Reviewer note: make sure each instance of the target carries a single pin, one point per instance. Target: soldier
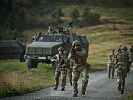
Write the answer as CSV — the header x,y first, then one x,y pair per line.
x,y
61,69
77,56
121,65
110,64
51,31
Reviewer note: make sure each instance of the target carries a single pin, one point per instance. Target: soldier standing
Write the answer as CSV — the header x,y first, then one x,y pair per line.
x,y
121,65
77,56
110,65
61,69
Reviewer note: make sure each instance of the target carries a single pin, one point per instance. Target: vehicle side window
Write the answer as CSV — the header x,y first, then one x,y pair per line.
x,y
15,44
66,39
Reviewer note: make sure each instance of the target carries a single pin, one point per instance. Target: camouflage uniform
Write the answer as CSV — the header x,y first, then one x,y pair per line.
x,y
110,65
121,66
60,70
80,66
77,56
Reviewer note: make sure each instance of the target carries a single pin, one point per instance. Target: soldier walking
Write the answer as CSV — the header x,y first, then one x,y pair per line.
x,y
110,65
121,65
77,56
61,68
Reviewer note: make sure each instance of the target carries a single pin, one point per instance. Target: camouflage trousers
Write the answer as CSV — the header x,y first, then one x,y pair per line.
x,y
69,71
121,75
75,76
110,69
63,74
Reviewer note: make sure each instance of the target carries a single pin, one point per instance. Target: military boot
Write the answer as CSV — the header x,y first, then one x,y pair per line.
x,y
63,89
122,91
75,95
55,88
71,83
83,93
119,87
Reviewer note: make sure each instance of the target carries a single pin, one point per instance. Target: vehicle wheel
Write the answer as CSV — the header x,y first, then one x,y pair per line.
x,y
31,63
22,59
35,63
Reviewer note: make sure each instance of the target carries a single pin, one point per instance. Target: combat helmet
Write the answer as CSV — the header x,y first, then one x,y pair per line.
x,y
60,49
76,42
124,48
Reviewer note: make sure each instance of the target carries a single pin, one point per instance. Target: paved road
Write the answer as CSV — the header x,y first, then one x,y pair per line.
x,y
99,88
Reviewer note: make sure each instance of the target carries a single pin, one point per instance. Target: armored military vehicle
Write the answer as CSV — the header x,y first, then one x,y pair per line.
x,y
12,49
45,46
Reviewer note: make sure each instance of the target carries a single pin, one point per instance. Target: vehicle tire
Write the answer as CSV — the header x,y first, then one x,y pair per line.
x,y
35,63
22,59
29,63
32,63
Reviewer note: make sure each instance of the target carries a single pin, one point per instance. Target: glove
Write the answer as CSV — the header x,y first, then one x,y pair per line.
x,y
72,50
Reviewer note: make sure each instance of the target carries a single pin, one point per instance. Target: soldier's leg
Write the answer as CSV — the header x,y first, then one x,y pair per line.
x,y
109,70
70,75
57,75
119,82
113,72
85,77
63,79
119,79
75,77
123,84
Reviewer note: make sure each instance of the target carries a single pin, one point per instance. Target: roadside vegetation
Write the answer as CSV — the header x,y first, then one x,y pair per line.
x,y
113,27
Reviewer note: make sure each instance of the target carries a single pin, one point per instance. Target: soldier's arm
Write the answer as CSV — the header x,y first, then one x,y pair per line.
x,y
81,53
69,56
54,58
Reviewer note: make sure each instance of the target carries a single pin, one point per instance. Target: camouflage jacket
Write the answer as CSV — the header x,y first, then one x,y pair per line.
x,y
61,61
122,57
78,60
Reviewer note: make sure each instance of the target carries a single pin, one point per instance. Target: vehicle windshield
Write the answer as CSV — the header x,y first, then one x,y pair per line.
x,y
47,38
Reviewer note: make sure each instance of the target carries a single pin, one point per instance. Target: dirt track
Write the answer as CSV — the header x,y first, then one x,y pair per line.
x,y
99,88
